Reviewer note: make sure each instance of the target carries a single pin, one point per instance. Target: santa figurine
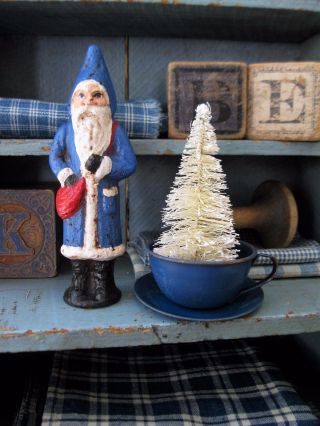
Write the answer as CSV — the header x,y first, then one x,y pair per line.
x,y
90,154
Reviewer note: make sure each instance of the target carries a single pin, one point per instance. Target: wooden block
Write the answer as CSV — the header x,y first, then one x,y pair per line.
x,y
27,234
283,101
222,84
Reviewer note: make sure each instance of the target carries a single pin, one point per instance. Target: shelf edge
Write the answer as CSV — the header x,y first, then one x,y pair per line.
x,y
41,147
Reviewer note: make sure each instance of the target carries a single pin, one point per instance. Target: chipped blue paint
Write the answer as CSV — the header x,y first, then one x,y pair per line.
x,y
310,5
33,316
41,147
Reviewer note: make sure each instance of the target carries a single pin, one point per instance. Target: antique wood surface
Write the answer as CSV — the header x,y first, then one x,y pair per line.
x,y
273,213
33,316
284,101
301,5
41,147
226,19
307,187
230,147
48,75
37,320
147,196
27,234
148,66
222,84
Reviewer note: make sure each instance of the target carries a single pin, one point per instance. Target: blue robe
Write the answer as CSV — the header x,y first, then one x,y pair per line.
x,y
64,155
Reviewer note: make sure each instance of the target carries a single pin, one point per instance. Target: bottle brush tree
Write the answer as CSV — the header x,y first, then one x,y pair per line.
x,y
198,220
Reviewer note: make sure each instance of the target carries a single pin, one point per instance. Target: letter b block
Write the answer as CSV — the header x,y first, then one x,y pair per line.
x,y
222,84
27,234
284,101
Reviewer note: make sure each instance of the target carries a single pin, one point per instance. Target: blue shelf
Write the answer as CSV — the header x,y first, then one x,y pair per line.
x,y
283,20
230,147
41,147
33,316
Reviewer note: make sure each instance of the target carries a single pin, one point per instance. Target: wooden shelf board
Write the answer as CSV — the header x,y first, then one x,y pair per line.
x,y
283,20
33,316
23,147
40,147
300,5
230,147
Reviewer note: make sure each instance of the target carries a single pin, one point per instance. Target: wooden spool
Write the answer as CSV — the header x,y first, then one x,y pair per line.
x,y
273,214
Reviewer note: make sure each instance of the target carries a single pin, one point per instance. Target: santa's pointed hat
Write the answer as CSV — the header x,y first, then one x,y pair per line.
x,y
95,68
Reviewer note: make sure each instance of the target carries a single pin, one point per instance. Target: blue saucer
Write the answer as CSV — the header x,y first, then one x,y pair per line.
x,y
149,294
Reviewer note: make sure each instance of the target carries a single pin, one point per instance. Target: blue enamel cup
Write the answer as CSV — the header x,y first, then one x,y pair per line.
x,y
206,285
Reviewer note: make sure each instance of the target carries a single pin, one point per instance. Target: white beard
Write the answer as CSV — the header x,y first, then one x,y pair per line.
x,y
92,127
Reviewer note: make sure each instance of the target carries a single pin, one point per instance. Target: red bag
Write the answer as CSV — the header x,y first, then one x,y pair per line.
x,y
69,198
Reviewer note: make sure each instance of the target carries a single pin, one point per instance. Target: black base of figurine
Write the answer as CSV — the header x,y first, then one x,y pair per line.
x,y
92,285
73,298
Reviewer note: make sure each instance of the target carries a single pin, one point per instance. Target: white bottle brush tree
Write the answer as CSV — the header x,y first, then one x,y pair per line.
x,y
198,219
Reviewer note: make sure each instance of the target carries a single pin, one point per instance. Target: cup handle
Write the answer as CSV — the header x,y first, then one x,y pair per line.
x,y
265,280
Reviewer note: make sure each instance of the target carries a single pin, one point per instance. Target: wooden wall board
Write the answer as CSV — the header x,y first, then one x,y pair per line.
x,y
222,84
18,53
147,196
255,20
51,64
310,49
307,188
148,65
26,171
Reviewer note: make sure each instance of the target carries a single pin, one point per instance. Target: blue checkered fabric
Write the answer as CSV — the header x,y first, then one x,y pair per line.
x,y
141,244
299,251
140,119
23,118
305,252
299,270
256,272
207,383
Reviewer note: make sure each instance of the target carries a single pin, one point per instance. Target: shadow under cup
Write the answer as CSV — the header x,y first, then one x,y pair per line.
x,y
207,285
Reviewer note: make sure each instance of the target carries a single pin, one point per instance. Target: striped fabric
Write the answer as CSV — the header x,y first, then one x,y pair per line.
x,y
208,383
138,252
23,118
299,251
256,272
299,270
139,267
141,244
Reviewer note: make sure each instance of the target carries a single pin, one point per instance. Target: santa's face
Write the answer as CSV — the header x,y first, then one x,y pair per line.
x,y
91,119
90,92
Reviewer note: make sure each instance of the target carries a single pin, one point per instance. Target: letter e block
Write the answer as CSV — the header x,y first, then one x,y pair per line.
x,y
284,101
222,84
27,234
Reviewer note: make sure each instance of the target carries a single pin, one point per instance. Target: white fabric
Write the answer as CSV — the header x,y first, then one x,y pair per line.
x,y
90,226
110,192
93,253
64,174
104,168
